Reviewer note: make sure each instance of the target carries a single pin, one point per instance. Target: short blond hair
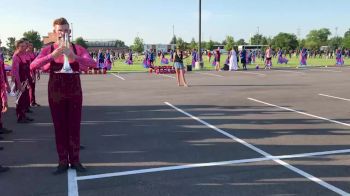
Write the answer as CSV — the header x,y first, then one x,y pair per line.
x,y
60,21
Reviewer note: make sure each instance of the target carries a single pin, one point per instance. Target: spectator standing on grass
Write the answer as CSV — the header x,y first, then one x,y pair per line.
x,y
268,61
217,59
243,56
233,60
209,55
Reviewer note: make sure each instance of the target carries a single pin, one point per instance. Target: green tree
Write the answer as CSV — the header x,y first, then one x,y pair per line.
x,y
180,43
347,33
173,40
285,41
241,42
11,45
224,42
302,43
346,42
259,39
317,38
335,42
34,37
230,42
193,44
209,45
119,44
80,41
138,45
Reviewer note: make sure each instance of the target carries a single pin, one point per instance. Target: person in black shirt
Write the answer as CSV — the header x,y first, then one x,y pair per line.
x,y
179,67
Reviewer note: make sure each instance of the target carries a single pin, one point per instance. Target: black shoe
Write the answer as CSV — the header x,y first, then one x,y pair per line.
x,y
34,105
61,169
3,169
5,131
29,119
1,148
23,121
29,111
78,167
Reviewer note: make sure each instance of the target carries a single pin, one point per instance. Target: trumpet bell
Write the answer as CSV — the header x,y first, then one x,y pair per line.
x,y
66,66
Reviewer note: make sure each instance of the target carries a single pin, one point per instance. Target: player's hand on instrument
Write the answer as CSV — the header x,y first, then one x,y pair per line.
x,y
58,52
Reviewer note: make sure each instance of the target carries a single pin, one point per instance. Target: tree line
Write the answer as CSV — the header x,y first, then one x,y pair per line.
x,y
286,41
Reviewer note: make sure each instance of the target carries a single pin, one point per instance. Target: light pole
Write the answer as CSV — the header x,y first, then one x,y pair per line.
x,y
71,24
200,35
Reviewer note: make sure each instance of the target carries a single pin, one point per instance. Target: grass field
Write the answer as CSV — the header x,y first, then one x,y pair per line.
x,y
120,66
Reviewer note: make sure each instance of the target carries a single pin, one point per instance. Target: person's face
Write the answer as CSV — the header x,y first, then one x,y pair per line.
x,y
22,47
30,47
60,30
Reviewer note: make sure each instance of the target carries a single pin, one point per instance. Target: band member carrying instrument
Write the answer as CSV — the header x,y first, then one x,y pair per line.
x,y
21,75
65,61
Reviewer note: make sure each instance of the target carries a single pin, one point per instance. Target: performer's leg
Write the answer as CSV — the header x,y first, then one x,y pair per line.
x,y
59,115
74,120
21,107
32,94
1,126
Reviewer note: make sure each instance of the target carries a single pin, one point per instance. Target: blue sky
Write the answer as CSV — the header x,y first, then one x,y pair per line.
x,y
152,20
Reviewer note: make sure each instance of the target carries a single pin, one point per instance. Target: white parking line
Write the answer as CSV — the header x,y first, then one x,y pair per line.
x,y
303,113
330,96
118,76
165,75
252,73
279,161
170,168
72,183
211,164
326,70
287,71
210,74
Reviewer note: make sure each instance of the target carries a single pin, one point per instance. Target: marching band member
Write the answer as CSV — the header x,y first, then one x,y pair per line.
x,y
65,95
35,75
20,73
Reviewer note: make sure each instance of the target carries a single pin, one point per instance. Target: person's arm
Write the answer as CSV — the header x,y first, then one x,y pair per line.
x,y
15,71
3,92
42,59
4,99
83,58
5,77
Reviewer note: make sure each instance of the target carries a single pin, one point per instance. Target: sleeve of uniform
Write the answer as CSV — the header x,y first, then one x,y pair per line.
x,y
84,59
42,59
15,69
3,84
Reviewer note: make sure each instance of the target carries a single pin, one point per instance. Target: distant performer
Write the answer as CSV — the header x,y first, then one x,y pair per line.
x,y
339,58
303,57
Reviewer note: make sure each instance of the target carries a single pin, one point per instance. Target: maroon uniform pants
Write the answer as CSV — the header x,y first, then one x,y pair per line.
x,y
22,105
65,100
32,93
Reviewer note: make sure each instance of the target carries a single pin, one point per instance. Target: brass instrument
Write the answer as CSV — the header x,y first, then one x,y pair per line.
x,y
17,93
66,66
